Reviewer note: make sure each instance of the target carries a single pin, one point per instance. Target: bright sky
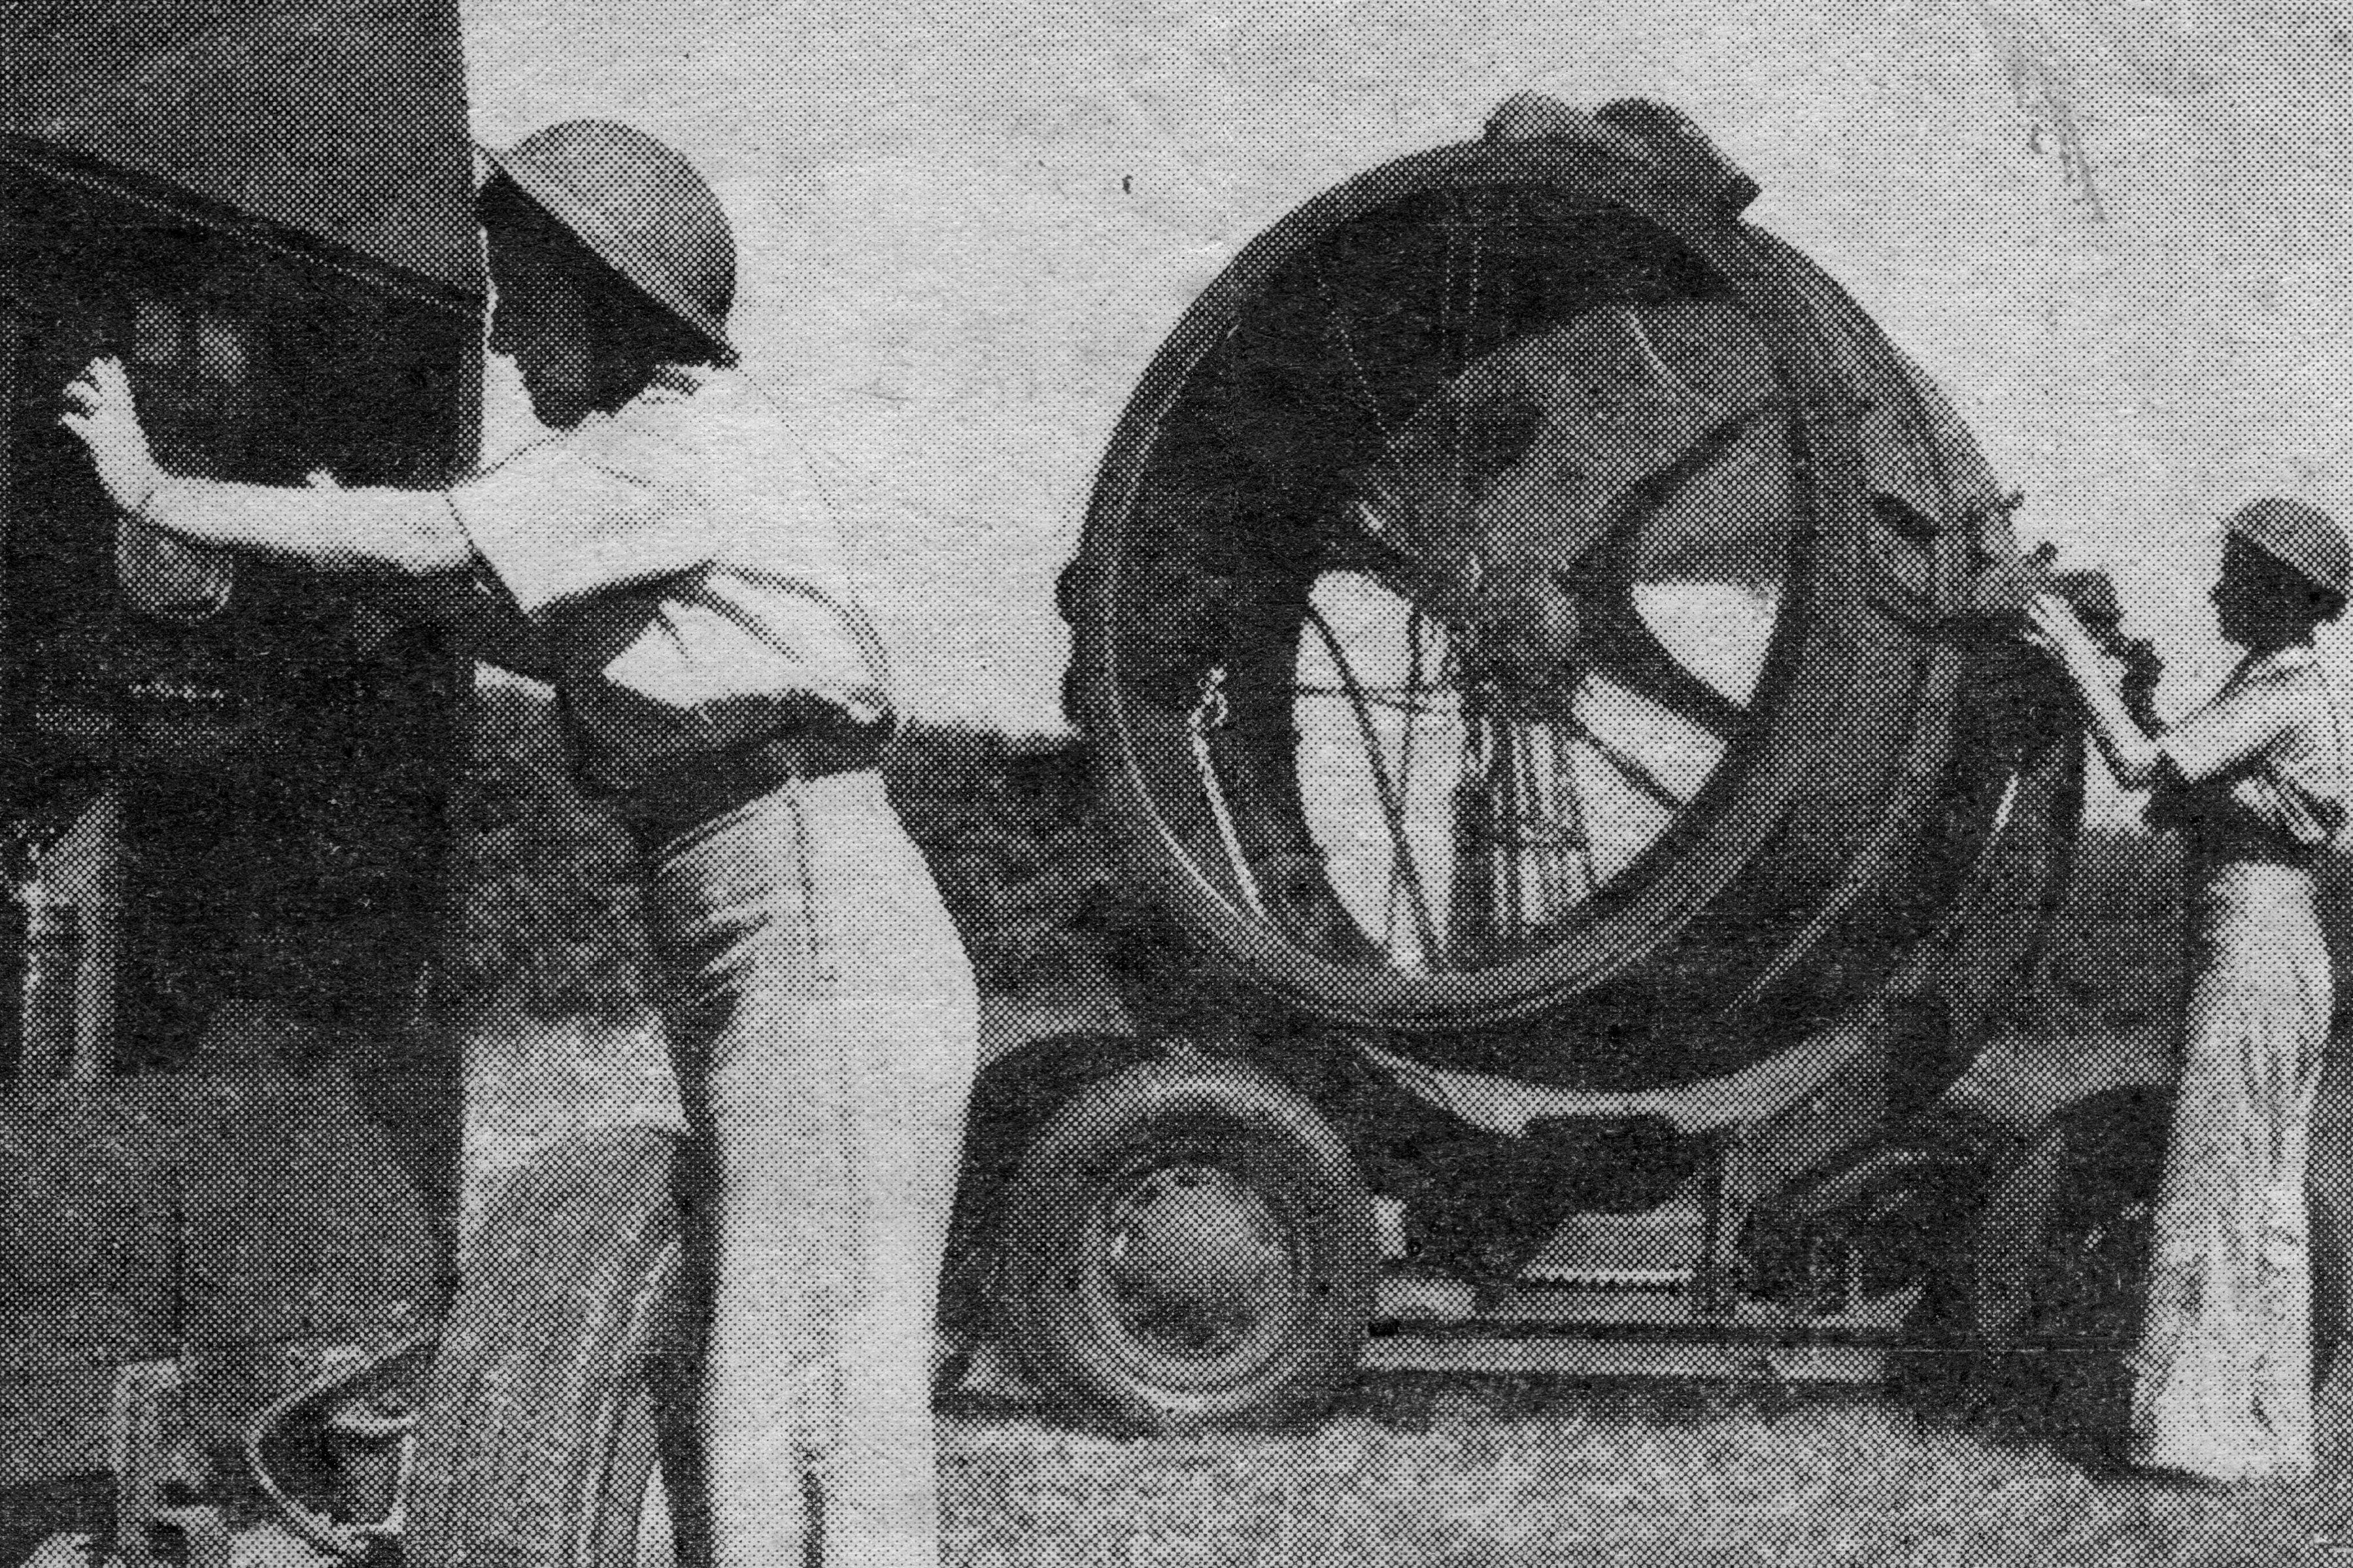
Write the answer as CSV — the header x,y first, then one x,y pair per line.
x,y
2116,231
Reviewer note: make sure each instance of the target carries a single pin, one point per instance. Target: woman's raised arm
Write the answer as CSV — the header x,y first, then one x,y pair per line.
x,y
412,533
2133,755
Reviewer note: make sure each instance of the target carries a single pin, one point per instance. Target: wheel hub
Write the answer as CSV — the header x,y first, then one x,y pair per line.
x,y
1197,1260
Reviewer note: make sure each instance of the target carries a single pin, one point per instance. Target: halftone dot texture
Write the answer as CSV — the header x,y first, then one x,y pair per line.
x,y
269,210
2302,538
1405,1469
1395,497
1513,608
816,1000
341,124
640,206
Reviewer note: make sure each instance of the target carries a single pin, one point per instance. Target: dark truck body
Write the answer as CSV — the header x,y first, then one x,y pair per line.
x,y
266,209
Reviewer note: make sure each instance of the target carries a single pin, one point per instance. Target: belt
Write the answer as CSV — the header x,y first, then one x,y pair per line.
x,y
704,787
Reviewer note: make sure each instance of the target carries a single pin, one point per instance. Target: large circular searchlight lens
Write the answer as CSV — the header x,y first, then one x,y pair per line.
x,y
1507,615
1587,535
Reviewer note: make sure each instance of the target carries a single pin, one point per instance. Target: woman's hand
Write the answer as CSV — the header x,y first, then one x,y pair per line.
x,y
2132,755
99,412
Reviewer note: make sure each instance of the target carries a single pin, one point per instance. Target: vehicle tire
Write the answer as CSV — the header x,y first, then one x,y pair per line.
x,y
2056,1266
1189,1245
2061,1258
2089,1302
555,1398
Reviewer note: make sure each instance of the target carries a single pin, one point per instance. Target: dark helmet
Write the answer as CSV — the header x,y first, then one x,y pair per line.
x,y
641,208
2306,540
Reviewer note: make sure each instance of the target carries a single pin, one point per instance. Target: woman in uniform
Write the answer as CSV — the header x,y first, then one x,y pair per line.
x,y
2255,782
666,561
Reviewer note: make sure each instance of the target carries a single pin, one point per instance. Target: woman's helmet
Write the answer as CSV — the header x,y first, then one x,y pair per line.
x,y
2304,538
641,208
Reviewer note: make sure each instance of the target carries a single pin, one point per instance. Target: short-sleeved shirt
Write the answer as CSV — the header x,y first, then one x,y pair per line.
x,y
681,565
2260,771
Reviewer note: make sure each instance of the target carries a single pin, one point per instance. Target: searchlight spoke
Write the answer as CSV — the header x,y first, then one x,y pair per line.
x,y
1540,618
